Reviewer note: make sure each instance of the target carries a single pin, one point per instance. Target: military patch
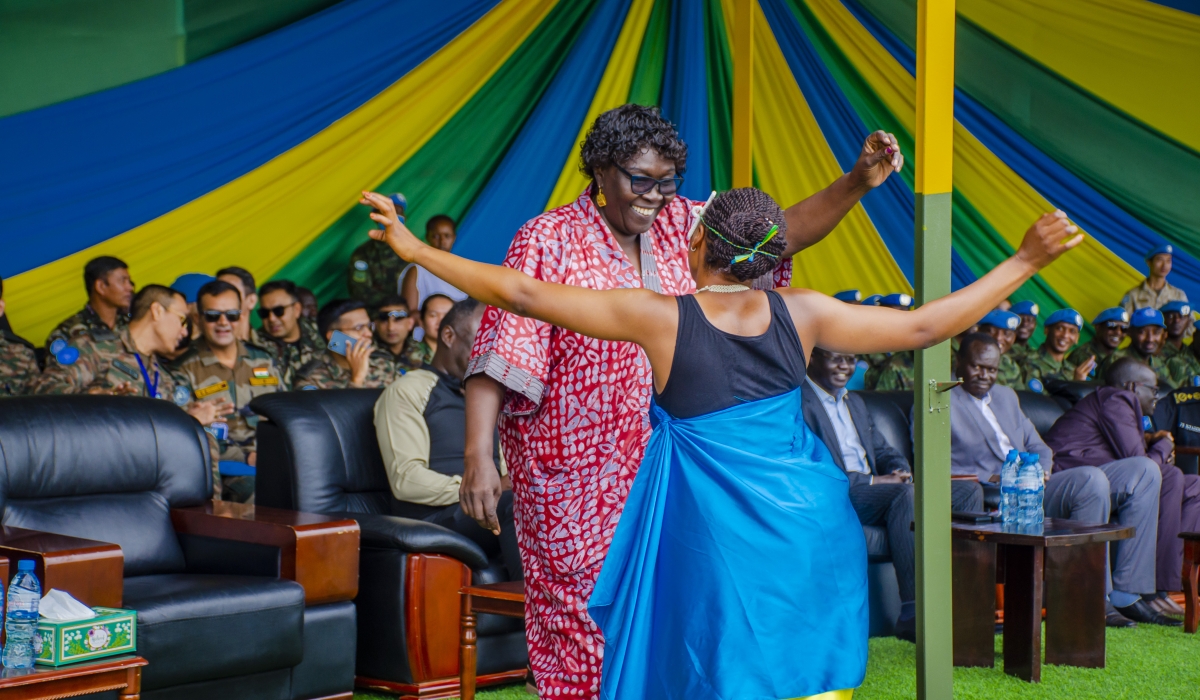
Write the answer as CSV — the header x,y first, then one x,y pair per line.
x,y
67,356
212,389
308,387
1187,397
57,346
360,276
126,369
1036,386
360,265
262,371
264,381
182,396
102,334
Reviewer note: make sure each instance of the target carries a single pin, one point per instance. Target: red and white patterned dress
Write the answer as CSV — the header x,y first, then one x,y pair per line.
x,y
574,424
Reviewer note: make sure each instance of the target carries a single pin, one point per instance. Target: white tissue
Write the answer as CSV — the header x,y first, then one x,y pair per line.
x,y
61,607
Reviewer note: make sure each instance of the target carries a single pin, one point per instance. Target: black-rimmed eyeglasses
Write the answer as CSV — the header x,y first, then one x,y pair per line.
x,y
641,184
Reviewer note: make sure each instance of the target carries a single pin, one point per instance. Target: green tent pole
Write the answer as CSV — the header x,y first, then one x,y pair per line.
x,y
931,401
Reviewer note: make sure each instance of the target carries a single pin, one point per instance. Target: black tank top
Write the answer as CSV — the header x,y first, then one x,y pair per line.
x,y
714,370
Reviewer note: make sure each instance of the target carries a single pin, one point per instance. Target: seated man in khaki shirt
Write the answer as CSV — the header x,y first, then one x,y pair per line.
x,y
420,420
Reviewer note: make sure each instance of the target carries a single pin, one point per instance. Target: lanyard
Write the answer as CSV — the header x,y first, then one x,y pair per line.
x,y
151,387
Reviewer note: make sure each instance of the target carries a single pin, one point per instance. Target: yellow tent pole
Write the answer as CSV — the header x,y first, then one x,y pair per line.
x,y
934,156
743,92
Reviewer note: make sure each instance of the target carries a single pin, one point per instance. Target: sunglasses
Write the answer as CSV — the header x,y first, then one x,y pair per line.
x,y
276,311
385,316
212,316
641,184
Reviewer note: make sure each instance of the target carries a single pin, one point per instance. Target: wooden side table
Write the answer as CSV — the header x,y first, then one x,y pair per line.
x,y
121,673
1191,577
1069,557
506,599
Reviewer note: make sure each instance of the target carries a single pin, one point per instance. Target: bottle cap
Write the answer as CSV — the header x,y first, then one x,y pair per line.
x,y
26,565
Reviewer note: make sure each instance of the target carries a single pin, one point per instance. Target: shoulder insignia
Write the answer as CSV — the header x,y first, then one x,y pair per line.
x,y
181,396
127,369
57,346
360,265
212,389
359,276
264,381
1187,396
67,356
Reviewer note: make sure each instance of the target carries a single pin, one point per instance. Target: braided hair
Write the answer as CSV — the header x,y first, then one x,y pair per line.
x,y
735,224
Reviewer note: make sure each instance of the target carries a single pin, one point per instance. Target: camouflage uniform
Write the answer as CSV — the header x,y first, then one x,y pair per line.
x,y
1020,351
1041,366
325,373
290,357
18,367
895,373
104,363
1156,362
1168,350
1092,347
86,322
1183,366
201,376
374,272
416,353
401,364
1009,373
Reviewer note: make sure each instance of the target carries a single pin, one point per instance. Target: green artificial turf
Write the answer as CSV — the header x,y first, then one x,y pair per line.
x,y
1147,662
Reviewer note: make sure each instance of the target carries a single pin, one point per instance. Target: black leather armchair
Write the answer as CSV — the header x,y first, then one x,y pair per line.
x,y
214,617
317,452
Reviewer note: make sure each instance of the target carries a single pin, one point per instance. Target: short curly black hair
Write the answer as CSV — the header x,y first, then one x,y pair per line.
x,y
735,223
620,134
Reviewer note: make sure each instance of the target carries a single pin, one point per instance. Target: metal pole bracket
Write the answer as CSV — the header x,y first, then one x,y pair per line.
x,y
939,395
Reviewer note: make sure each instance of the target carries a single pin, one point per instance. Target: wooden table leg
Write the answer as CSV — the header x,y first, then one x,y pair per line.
x,y
133,691
466,656
1023,612
1191,574
1075,605
974,581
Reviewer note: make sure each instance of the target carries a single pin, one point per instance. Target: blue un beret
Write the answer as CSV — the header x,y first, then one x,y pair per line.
x,y
189,284
1180,307
1001,319
1116,313
872,300
850,296
1165,249
1025,308
1147,317
1070,316
903,301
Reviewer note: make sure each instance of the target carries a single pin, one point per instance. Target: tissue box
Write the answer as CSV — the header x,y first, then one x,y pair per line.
x,y
113,631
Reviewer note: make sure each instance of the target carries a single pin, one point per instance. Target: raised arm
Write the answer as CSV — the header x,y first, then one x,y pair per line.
x,y
836,326
811,219
635,315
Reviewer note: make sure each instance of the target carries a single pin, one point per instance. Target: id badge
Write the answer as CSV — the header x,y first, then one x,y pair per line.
x,y
219,429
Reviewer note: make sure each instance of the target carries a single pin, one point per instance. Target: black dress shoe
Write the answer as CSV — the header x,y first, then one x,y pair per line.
x,y
1115,619
907,630
1142,612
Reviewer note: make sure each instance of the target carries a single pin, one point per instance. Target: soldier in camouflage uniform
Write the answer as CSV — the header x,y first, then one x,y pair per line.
x,y
1177,317
1002,325
358,368
1021,348
374,270
124,362
894,373
1110,325
1051,360
393,326
221,367
1146,334
18,366
290,338
110,292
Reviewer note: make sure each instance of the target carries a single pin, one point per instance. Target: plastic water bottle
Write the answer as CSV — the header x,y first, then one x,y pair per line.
x,y
21,616
1008,488
1038,515
1027,495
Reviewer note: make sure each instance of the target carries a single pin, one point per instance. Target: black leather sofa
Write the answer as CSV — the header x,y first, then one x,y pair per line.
x,y
317,452
215,620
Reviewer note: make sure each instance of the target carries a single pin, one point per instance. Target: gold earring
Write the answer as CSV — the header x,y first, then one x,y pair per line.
x,y
601,200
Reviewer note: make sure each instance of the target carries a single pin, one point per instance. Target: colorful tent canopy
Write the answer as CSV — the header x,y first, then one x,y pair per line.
x,y
475,108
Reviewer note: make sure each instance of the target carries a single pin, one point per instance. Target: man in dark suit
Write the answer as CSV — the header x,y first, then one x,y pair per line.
x,y
880,477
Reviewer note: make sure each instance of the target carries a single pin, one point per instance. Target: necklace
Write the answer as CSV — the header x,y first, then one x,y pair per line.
x,y
724,288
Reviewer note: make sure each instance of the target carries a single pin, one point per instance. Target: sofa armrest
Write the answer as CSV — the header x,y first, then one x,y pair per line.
x,y
417,537
320,552
91,571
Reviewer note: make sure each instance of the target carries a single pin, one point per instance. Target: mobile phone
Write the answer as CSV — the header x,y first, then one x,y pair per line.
x,y
340,343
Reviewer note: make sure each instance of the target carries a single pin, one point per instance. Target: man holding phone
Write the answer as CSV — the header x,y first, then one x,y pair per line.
x,y
881,488
347,361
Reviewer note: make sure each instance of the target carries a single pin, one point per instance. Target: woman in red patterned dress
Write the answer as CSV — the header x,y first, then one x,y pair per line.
x,y
572,410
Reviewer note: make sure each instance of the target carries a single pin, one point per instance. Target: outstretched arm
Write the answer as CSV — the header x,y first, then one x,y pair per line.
x,y
635,315
839,327
811,219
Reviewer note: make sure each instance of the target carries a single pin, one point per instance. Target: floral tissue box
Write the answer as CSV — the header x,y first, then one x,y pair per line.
x,y
112,631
